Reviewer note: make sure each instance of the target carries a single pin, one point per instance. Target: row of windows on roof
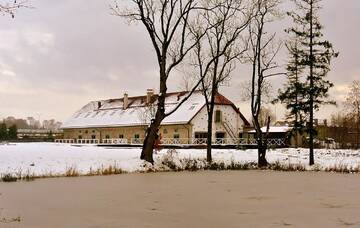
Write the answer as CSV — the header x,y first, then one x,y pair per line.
x,y
102,113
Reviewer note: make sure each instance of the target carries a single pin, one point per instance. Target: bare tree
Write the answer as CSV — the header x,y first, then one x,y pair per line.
x,y
10,8
186,83
215,55
146,114
352,103
167,24
266,91
262,52
265,113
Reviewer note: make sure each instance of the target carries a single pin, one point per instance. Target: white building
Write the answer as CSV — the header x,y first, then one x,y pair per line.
x,y
124,120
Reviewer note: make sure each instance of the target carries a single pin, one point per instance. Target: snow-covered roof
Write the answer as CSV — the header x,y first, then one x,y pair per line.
x,y
274,129
110,113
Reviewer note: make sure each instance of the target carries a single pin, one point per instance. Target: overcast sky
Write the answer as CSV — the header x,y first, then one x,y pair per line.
x,y
62,54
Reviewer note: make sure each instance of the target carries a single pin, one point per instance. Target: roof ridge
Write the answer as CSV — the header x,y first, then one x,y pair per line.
x,y
144,96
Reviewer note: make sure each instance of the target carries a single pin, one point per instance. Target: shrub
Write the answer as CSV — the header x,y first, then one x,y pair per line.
x,y
9,178
217,166
111,170
72,172
341,168
193,164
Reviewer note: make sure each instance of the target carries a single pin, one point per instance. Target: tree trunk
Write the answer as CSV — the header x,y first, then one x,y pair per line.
x,y
296,130
152,131
262,162
311,124
149,141
209,134
358,129
209,138
262,157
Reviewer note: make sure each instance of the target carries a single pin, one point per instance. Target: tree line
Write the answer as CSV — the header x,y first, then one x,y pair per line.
x,y
8,133
32,123
215,36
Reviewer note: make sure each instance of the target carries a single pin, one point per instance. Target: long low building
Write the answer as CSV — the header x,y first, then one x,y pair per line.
x,y
39,134
124,120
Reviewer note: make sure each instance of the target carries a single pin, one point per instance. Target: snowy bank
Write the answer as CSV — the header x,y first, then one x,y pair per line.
x,y
44,159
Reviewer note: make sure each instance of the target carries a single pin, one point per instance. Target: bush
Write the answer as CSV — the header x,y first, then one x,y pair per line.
x,y
9,178
72,172
193,164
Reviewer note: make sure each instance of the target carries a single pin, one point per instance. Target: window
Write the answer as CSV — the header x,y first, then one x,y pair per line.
x,y
137,136
176,130
104,113
93,136
107,136
80,137
80,131
165,131
93,131
201,135
121,136
78,115
217,116
113,113
87,114
176,138
220,135
95,114
86,131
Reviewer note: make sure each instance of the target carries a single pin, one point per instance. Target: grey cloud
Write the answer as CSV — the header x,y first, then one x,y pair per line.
x,y
62,54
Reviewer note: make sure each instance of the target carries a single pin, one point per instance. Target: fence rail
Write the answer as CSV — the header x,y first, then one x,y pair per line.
x,y
176,141
114,141
64,140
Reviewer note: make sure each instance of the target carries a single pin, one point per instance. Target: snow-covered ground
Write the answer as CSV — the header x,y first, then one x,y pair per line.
x,y
51,158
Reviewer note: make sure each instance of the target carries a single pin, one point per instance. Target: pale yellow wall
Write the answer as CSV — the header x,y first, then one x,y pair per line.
x,y
229,115
167,131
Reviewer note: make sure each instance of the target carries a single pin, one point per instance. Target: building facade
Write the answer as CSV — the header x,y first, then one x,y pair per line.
x,y
125,120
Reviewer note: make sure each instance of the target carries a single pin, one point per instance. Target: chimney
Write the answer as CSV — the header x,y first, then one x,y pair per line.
x,y
99,105
125,101
149,94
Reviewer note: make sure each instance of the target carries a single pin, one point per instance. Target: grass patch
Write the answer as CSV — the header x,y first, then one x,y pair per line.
x,y
72,172
104,171
5,220
341,168
69,172
9,177
278,166
171,163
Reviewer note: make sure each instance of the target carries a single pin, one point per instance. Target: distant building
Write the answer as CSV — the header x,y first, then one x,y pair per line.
x,y
277,135
124,120
39,134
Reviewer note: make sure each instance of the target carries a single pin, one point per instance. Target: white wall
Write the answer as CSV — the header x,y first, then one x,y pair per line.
x,y
199,122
